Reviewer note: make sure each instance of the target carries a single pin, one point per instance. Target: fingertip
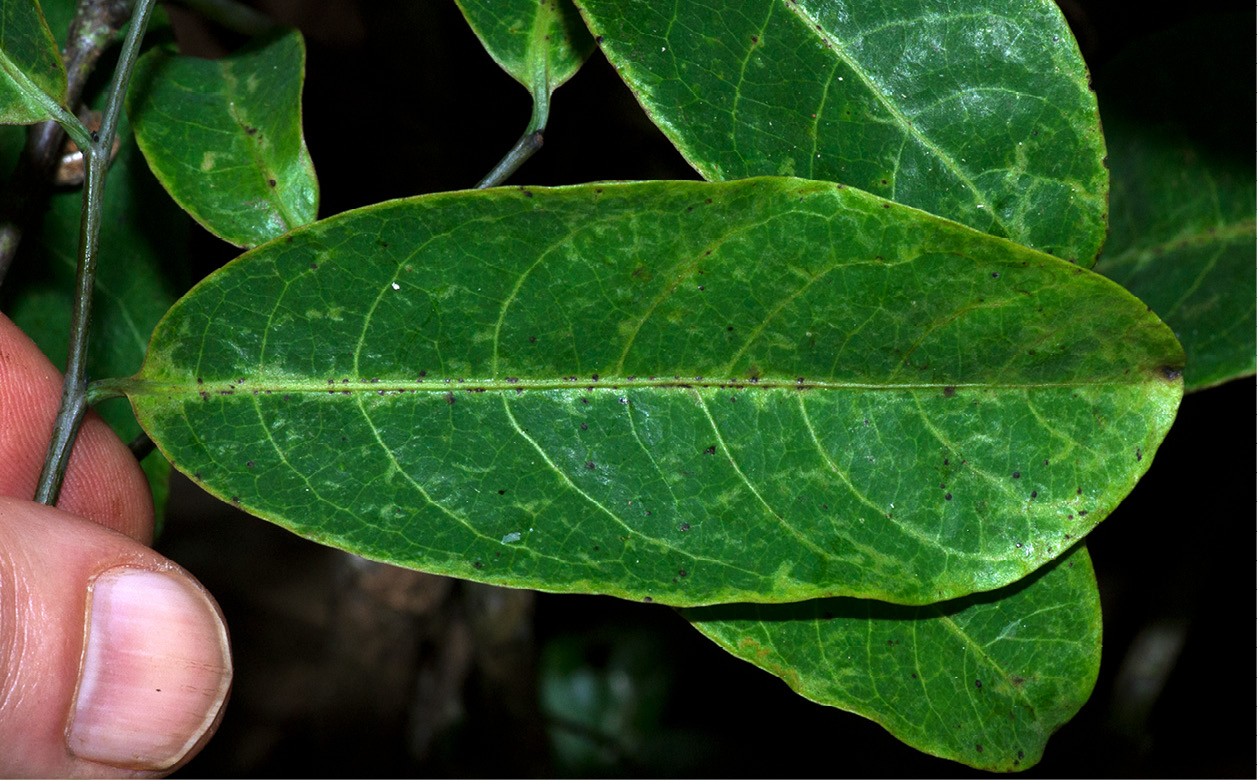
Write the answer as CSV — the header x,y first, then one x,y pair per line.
x,y
114,661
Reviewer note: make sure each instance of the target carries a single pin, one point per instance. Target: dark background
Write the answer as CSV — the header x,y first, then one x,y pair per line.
x,y
348,668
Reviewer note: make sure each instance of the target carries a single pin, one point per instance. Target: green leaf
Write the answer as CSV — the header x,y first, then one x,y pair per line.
x,y
982,680
762,390
224,137
32,78
139,275
980,114
1183,196
540,44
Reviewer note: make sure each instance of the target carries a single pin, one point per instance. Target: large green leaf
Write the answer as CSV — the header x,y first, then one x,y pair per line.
x,y
1183,195
979,112
32,77
139,275
983,680
763,390
541,44
224,137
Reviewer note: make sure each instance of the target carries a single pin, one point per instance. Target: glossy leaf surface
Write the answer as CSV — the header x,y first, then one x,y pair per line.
x,y
979,113
983,680
541,44
1183,196
32,77
224,137
142,243
763,390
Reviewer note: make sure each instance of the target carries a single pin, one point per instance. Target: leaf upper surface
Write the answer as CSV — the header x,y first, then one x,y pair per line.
x,y
224,137
983,680
763,390
31,73
979,112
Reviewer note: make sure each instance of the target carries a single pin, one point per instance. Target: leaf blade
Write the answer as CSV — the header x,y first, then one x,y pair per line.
x,y
984,117
541,45
32,76
679,455
984,680
1182,200
224,137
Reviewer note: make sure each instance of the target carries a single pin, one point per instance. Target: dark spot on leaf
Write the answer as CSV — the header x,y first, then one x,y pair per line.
x,y
271,182
648,599
1082,512
685,526
977,683
885,205
584,427
1138,454
589,464
914,675
584,400
1034,494
235,499
683,573
949,391
948,496
1016,475
1170,373
200,381
754,39
598,39
527,193
979,747
710,450
197,475
249,464
501,492
532,339
478,564
449,398
1079,491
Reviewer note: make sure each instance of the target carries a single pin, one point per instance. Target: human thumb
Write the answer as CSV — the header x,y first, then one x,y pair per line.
x,y
114,661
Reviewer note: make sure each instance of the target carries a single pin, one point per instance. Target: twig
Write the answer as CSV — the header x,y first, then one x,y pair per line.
x,y
232,15
95,24
524,148
74,388
530,141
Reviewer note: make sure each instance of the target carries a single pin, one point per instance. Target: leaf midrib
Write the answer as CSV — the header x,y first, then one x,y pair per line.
x,y
139,385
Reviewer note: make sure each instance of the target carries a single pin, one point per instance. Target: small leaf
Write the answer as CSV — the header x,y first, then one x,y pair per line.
x,y
224,137
982,680
32,77
762,390
979,113
540,43
1183,195
139,275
